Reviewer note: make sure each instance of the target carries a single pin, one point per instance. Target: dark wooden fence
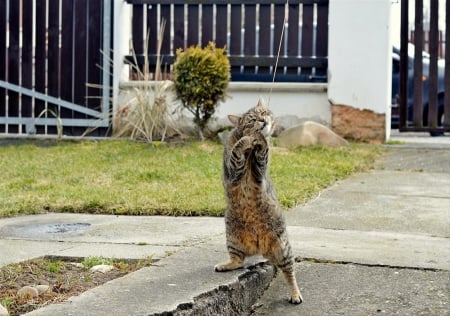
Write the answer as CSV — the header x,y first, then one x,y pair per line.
x,y
45,68
251,31
424,96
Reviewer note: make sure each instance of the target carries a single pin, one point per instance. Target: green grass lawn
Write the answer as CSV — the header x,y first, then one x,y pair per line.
x,y
123,177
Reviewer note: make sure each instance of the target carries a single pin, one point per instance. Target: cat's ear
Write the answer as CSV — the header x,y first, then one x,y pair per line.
x,y
261,103
234,119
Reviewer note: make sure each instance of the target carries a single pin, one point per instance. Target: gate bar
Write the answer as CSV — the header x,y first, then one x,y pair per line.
x,y
447,66
403,84
50,99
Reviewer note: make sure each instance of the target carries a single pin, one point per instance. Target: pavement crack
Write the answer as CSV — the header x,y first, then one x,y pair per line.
x,y
370,265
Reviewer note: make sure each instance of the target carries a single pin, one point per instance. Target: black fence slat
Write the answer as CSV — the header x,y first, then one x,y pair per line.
x,y
235,29
264,35
279,14
221,25
250,30
27,57
80,55
178,40
207,24
53,78
152,28
94,54
307,35
53,70
235,34
165,15
264,30
3,26
13,61
40,58
67,36
137,32
293,35
193,22
433,69
250,34
418,45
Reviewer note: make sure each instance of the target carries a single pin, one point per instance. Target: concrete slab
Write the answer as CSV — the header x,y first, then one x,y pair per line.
x,y
372,248
416,159
84,235
394,201
151,230
17,250
336,289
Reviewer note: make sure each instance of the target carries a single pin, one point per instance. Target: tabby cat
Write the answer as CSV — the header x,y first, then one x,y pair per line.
x,y
254,221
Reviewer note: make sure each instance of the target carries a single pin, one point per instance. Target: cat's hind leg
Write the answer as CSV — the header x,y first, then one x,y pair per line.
x,y
284,260
236,261
295,295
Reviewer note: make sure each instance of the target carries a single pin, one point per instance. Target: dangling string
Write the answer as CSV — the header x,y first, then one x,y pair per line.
x,y
279,50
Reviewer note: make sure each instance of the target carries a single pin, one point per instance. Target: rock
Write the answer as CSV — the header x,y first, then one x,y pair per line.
x,y
103,268
42,288
360,125
223,136
28,292
309,133
3,311
283,122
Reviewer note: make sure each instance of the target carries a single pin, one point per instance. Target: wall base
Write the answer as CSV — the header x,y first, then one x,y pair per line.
x,y
358,125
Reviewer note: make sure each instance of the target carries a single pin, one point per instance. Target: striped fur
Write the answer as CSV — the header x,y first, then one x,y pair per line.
x,y
254,221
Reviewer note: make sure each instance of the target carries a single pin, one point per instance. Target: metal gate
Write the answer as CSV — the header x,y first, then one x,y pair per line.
x,y
55,73
424,95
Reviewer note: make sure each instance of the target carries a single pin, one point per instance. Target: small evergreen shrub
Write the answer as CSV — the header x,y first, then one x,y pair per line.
x,y
201,77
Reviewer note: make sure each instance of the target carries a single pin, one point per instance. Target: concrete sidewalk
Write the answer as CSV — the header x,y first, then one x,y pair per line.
x,y
376,243
379,241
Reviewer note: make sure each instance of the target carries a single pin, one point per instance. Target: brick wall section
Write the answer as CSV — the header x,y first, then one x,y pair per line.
x,y
358,125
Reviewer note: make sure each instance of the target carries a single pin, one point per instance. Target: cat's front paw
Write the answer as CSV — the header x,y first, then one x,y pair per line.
x,y
259,143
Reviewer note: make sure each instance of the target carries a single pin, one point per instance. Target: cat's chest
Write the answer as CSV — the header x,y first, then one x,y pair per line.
x,y
246,189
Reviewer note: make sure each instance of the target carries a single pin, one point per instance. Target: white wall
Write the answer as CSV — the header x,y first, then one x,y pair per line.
x,y
359,61
305,100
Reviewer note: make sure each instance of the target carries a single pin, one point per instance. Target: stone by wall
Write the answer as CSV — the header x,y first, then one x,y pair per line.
x,y
358,125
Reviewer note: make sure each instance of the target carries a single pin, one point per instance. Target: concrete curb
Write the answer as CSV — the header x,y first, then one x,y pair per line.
x,y
236,298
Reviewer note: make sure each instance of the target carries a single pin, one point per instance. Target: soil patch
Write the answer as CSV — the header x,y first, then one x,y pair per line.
x,y
65,278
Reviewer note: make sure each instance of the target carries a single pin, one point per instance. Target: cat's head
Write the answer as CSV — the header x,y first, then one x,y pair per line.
x,y
258,119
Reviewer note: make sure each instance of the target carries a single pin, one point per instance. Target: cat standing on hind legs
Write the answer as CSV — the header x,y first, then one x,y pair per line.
x,y
254,222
